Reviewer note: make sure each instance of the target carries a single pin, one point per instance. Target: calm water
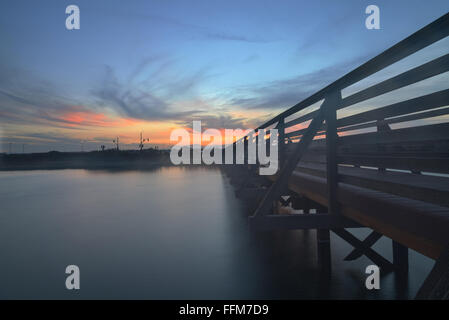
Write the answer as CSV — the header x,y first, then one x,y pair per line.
x,y
172,233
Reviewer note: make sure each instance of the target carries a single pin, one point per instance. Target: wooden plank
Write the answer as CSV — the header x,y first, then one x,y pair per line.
x,y
301,221
417,116
437,165
438,148
422,72
422,133
428,162
419,187
412,149
410,222
412,117
430,101
415,224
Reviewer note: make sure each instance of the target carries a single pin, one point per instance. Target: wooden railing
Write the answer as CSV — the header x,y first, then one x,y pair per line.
x,y
366,173
323,121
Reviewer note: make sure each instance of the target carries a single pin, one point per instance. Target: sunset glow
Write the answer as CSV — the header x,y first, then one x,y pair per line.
x,y
153,67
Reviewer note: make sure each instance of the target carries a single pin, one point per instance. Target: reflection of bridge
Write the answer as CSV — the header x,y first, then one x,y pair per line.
x,y
358,171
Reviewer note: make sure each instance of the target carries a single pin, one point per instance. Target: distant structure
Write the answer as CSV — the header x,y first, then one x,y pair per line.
x,y
142,141
116,141
102,147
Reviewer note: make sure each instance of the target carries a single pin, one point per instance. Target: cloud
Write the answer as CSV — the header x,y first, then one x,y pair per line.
x,y
233,37
205,32
285,93
152,100
152,92
218,122
144,64
251,58
27,99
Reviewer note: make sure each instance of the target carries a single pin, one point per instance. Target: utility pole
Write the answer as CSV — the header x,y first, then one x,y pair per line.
x,y
116,141
142,141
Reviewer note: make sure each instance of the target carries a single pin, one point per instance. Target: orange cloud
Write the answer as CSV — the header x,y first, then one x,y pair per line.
x,y
82,124
90,118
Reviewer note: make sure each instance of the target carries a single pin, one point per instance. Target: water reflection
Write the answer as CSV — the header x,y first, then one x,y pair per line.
x,y
165,232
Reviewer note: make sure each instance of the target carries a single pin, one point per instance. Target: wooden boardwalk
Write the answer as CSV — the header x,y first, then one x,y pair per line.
x,y
386,168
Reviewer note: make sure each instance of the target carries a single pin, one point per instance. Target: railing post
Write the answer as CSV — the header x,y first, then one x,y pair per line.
x,y
330,106
330,116
400,258
245,150
382,127
256,134
281,142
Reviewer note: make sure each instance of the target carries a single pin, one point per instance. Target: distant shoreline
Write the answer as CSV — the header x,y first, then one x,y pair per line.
x,y
95,160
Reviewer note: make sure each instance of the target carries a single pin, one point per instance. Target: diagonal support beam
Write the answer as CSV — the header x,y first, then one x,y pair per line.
x,y
369,241
436,285
380,261
278,187
285,202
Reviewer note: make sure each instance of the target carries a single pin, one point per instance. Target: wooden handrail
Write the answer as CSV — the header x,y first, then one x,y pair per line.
x,y
424,37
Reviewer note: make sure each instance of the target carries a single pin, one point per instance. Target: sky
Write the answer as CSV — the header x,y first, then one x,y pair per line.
x,y
153,66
